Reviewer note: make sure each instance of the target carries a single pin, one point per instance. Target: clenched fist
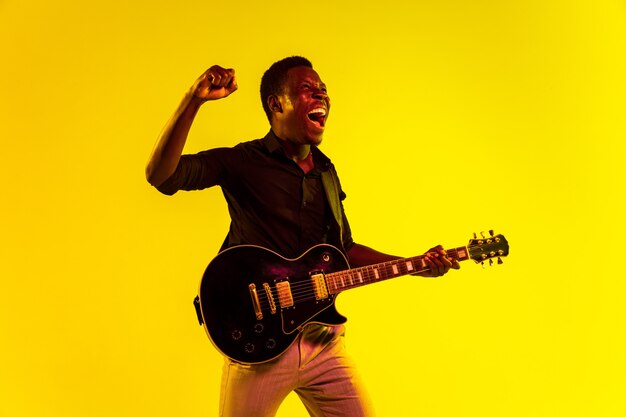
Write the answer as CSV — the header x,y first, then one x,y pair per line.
x,y
215,83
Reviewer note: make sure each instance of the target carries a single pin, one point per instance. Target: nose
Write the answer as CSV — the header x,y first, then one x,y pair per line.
x,y
320,94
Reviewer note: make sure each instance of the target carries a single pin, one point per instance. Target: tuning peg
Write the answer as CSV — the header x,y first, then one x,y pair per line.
x,y
491,232
500,262
490,262
475,237
482,234
482,264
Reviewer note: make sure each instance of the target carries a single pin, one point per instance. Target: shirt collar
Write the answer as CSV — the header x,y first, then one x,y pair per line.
x,y
272,144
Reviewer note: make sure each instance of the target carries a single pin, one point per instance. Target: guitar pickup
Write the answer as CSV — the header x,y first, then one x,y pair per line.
x,y
319,286
284,294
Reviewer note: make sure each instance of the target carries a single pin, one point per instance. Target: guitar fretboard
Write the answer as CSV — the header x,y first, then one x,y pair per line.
x,y
357,277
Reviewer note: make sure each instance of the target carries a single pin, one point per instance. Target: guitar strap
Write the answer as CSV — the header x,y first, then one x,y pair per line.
x,y
330,180
196,304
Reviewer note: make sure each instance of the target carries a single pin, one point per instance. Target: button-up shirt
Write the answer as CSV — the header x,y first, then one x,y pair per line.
x,y
272,202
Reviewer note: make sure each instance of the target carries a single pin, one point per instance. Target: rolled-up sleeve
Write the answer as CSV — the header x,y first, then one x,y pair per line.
x,y
200,171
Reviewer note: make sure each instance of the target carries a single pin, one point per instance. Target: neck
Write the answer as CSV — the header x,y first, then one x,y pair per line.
x,y
300,154
297,152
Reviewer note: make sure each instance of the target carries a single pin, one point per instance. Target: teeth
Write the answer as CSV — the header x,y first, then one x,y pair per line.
x,y
320,110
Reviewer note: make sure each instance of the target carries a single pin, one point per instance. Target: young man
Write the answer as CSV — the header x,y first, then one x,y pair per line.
x,y
278,199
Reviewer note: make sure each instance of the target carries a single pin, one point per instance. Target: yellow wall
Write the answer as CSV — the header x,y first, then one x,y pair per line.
x,y
448,117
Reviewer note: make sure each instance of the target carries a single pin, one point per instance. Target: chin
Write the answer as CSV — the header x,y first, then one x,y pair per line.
x,y
314,137
316,140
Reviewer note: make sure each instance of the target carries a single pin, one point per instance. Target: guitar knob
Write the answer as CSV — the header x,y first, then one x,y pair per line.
x,y
258,328
236,334
249,348
270,343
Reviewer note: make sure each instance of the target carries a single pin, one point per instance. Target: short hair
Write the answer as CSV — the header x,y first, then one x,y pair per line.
x,y
273,81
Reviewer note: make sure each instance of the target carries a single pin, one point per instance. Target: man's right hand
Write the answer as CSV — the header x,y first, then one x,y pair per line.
x,y
215,83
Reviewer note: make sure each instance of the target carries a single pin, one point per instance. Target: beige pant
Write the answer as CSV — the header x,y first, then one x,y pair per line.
x,y
315,366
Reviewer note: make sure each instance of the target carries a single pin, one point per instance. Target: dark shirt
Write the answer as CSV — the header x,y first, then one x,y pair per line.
x,y
271,201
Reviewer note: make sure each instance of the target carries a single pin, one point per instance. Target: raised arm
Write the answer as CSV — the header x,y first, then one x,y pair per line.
x,y
214,84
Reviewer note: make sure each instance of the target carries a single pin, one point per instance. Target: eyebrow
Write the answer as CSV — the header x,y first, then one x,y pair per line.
x,y
311,81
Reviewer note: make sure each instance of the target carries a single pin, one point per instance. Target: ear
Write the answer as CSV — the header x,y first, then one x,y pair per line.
x,y
274,104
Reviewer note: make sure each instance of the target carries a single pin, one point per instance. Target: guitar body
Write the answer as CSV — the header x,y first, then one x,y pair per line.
x,y
254,302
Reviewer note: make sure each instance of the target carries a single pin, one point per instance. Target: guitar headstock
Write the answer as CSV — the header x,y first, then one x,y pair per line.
x,y
487,248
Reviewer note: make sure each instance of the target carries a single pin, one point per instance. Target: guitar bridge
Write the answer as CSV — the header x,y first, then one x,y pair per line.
x,y
319,286
270,297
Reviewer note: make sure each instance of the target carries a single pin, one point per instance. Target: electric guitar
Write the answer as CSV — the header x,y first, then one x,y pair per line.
x,y
254,302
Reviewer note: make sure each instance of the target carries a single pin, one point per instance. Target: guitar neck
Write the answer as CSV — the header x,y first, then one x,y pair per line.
x,y
358,277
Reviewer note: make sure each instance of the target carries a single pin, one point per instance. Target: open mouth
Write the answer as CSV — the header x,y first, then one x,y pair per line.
x,y
318,116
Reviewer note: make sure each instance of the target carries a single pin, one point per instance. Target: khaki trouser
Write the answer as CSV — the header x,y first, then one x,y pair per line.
x,y
315,366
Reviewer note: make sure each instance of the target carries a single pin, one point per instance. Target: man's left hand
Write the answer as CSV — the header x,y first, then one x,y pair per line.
x,y
438,263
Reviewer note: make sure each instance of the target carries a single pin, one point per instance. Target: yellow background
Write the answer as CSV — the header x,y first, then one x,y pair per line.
x,y
448,117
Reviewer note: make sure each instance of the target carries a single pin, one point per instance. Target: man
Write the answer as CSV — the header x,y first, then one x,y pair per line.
x,y
278,199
